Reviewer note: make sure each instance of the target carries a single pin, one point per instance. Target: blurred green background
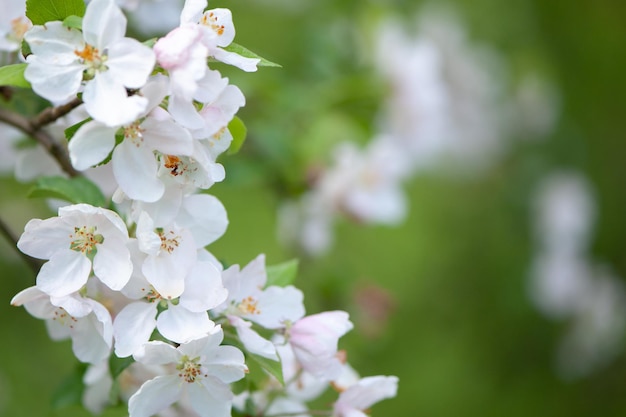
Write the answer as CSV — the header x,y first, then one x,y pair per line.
x,y
460,333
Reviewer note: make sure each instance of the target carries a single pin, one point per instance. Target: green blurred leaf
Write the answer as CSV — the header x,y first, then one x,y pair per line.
x,y
246,53
73,21
274,368
117,365
74,190
282,274
239,131
42,11
70,391
13,75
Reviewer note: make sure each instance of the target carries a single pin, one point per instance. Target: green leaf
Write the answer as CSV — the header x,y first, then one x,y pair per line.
x,y
71,131
70,391
246,53
13,75
42,11
282,274
239,131
74,190
73,21
117,365
274,368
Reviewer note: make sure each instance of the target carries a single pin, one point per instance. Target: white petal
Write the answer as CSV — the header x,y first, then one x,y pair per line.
x,y
192,11
87,342
103,23
107,102
43,238
112,263
278,305
227,363
130,62
252,341
181,325
64,274
36,302
91,144
210,399
133,326
205,216
369,391
157,353
154,396
57,83
203,288
54,43
231,58
135,169
167,137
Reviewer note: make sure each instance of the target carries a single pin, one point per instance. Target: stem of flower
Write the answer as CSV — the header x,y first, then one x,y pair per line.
x,y
33,128
34,264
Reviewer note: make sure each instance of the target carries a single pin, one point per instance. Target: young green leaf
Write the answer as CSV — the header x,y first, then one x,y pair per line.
x,y
70,391
282,274
274,368
42,11
13,75
246,53
74,190
71,131
239,131
73,21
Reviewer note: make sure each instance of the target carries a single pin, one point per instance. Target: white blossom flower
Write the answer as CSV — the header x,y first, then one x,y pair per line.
x,y
203,371
314,340
13,25
62,58
249,301
81,233
359,397
85,321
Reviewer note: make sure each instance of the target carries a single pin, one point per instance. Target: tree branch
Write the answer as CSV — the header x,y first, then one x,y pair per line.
x,y
34,264
33,128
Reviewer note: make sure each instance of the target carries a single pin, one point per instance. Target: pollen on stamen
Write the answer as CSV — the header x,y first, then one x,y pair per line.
x,y
249,306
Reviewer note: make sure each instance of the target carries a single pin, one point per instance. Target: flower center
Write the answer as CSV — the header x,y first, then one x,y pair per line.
x,y
173,164
169,240
249,306
92,59
190,369
210,20
63,318
134,133
84,239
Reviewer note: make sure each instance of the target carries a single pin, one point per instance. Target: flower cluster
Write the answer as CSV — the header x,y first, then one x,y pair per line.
x,y
134,279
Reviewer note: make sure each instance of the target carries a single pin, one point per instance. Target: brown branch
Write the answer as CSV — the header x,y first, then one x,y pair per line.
x,y
34,264
33,128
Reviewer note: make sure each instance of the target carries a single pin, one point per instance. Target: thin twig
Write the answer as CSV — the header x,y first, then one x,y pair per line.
x,y
33,129
51,114
34,264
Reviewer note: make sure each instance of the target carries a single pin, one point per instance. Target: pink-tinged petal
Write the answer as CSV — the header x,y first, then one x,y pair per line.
x,y
231,58
43,238
135,169
252,341
192,11
57,83
277,306
181,325
130,62
248,282
205,216
54,43
154,396
167,137
88,343
64,274
369,391
107,102
214,400
91,144
216,144
227,364
112,263
103,23
157,353
133,326
203,288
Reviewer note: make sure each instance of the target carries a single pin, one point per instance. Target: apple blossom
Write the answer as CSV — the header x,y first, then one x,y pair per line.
x,y
359,397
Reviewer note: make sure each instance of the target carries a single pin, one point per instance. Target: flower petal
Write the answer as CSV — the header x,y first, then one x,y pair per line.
x,y
133,326
91,144
135,169
154,396
181,325
64,274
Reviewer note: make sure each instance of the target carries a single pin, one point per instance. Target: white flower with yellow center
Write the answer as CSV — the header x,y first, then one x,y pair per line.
x,y
81,236
100,56
203,370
